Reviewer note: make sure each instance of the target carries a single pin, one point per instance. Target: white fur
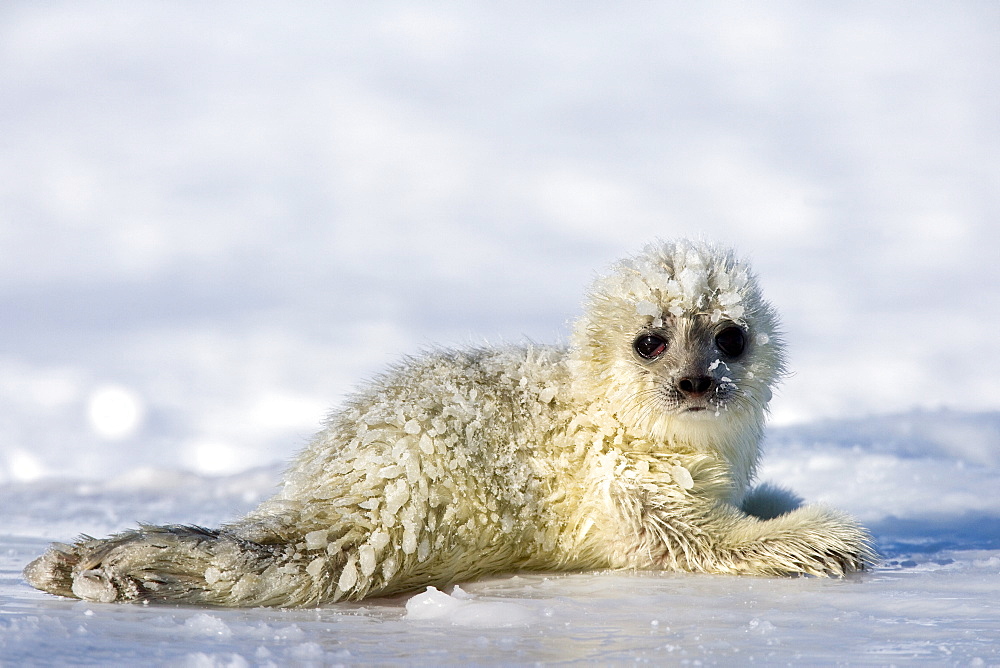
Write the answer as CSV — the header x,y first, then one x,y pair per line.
x,y
461,463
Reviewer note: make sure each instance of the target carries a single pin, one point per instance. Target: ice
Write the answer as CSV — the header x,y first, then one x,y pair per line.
x,y
682,476
432,604
348,576
461,609
204,624
648,308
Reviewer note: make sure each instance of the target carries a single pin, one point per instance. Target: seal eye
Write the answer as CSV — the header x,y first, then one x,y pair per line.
x,y
731,341
650,346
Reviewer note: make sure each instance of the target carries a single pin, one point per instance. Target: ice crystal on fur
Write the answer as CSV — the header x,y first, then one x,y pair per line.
x,y
461,463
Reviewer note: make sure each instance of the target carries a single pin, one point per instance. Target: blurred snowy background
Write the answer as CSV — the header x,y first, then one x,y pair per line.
x,y
217,218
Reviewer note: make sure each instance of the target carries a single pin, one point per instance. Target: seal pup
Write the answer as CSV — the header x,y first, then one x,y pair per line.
x,y
634,447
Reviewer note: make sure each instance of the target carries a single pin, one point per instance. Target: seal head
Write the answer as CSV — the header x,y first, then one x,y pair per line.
x,y
683,347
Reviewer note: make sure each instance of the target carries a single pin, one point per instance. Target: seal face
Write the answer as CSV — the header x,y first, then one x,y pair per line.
x,y
633,448
678,334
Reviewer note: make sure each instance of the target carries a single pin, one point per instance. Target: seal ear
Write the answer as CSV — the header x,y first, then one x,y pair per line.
x,y
768,501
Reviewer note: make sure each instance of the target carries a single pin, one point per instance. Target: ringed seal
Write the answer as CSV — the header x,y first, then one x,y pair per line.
x,y
633,447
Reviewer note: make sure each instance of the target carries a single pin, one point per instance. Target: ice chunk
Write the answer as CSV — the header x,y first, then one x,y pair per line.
x,y
393,471
682,476
396,494
316,540
315,567
378,540
432,604
646,307
409,544
366,559
204,624
461,609
729,298
348,576
693,280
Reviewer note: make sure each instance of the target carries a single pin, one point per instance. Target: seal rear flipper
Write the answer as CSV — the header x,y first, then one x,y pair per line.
x,y
176,564
53,571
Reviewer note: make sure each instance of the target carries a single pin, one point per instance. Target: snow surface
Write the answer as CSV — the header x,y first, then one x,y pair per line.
x,y
935,514
215,218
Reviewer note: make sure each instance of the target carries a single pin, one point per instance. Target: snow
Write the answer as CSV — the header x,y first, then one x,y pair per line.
x,y
935,515
216,219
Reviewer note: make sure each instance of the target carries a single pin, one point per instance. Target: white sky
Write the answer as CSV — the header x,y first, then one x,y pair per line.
x,y
228,214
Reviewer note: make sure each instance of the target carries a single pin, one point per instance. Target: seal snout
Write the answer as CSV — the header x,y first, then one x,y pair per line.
x,y
693,387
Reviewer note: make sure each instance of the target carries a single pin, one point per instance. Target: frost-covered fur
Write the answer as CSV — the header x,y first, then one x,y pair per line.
x,y
461,463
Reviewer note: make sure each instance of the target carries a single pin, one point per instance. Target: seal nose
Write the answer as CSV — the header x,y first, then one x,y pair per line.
x,y
694,386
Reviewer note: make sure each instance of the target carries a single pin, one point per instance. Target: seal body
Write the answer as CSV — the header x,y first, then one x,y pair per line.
x,y
634,447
